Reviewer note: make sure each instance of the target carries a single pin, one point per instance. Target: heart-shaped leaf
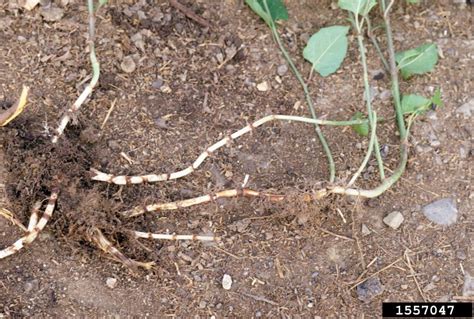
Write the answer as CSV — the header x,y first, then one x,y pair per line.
x,y
360,7
326,49
276,7
417,61
415,104
361,129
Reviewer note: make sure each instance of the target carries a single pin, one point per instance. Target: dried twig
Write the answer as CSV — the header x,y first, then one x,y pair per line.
x,y
412,271
190,14
260,298
32,231
360,280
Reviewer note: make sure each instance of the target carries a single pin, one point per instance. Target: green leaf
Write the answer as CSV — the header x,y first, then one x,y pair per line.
x,y
361,129
360,7
102,2
417,61
413,1
415,104
276,7
326,49
436,99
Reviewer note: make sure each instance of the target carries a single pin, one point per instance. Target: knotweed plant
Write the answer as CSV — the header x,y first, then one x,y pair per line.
x,y
325,50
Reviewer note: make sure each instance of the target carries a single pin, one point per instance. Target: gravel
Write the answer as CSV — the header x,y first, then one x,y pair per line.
x,y
282,69
466,109
369,289
394,219
442,212
227,282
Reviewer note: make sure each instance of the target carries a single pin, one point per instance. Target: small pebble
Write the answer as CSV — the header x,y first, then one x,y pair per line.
x,y
385,95
165,89
373,92
113,145
394,219
468,287
111,282
466,109
442,212
29,5
158,83
52,14
202,304
378,75
128,65
461,255
282,69
263,86
31,285
365,230
226,282
369,289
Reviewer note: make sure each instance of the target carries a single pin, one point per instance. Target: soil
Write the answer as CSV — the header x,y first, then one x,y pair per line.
x,y
294,259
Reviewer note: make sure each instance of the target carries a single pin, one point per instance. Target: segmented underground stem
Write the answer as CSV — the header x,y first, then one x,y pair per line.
x,y
33,228
151,178
200,200
88,90
139,234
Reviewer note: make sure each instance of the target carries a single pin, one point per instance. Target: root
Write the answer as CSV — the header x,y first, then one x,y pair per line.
x,y
103,243
33,227
5,213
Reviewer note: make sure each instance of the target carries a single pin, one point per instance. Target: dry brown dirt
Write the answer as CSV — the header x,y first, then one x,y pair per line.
x,y
293,259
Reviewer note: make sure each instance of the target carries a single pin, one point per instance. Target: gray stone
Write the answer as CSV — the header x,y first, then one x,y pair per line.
x,y
466,109
158,83
31,286
394,219
52,14
128,65
373,92
282,69
365,230
442,212
369,289
468,287
385,95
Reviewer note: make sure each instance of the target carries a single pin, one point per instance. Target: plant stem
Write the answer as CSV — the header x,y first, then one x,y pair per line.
x,y
370,112
393,73
388,182
309,100
373,136
373,38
